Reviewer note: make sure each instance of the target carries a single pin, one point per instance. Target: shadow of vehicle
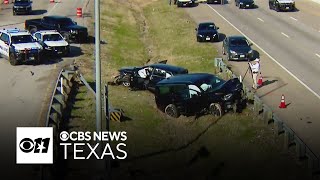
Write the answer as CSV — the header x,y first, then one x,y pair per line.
x,y
39,12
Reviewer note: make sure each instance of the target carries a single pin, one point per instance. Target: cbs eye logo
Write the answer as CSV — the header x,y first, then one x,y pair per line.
x,y
38,145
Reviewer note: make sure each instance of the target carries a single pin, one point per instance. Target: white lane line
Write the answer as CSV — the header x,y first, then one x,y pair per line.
x,y
294,18
260,19
285,34
55,4
295,77
318,55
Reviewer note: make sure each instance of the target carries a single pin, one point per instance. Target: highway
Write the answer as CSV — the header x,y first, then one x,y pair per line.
x,y
25,89
288,46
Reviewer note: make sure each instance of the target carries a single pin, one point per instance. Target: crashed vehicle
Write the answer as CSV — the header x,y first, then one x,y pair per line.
x,y
146,77
199,93
184,3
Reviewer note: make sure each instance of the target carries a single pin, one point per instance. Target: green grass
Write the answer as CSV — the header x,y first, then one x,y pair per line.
x,y
158,145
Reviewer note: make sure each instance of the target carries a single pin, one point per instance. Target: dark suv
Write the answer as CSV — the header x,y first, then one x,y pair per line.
x,y
237,48
245,4
22,7
198,93
207,31
282,5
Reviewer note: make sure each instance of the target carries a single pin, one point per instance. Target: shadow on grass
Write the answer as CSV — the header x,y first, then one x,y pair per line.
x,y
164,151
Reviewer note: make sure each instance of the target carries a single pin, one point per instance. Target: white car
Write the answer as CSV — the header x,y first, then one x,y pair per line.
x,y
52,42
18,46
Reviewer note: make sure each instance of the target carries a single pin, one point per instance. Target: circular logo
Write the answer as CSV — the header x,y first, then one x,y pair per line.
x,y
64,136
26,145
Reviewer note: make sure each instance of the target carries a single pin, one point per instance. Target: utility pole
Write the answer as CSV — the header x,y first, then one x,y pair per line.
x,y
98,66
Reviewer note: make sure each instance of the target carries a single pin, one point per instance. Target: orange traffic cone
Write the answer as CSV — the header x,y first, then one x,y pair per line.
x,y
6,1
260,81
51,1
283,102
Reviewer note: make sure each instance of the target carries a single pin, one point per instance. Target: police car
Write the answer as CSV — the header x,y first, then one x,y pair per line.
x,y
52,42
19,46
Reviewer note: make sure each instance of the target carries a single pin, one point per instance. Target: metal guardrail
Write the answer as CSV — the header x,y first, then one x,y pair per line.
x,y
265,113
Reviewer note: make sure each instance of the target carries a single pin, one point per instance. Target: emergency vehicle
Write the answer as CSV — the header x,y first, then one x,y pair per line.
x,y
18,46
52,42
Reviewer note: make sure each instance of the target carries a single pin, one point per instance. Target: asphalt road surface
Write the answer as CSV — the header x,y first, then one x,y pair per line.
x,y
288,46
24,89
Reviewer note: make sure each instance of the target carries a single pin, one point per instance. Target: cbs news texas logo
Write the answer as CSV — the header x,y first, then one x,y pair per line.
x,y
34,145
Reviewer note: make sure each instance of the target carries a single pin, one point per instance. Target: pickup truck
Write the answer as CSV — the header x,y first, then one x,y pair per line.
x,y
64,25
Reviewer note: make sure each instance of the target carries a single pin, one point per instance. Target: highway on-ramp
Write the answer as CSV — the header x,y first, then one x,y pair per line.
x,y
25,89
288,46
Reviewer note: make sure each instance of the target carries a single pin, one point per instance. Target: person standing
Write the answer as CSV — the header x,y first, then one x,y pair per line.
x,y
255,69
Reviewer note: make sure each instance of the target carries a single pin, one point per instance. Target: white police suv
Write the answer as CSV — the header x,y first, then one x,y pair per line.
x,y
19,46
52,42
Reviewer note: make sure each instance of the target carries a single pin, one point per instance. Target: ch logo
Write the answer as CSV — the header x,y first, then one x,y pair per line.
x,y
38,145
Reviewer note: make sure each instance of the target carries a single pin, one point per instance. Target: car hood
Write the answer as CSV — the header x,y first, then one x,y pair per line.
x,y
21,4
230,86
207,31
240,49
286,1
55,43
77,27
24,46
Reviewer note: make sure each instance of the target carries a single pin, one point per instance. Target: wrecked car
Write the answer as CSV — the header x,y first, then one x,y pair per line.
x,y
199,93
146,77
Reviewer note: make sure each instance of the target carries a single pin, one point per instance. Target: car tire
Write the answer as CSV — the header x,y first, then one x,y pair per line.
x,y
198,39
32,30
228,57
37,61
172,111
14,13
215,109
277,8
12,59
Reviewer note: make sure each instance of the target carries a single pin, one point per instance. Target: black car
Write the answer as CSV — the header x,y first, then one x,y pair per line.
x,y
282,5
245,3
146,77
22,7
237,48
214,1
207,31
68,28
198,93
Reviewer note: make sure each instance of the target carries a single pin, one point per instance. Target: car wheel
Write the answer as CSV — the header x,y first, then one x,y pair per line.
x,y
13,60
32,30
198,39
13,13
172,111
37,61
277,8
215,109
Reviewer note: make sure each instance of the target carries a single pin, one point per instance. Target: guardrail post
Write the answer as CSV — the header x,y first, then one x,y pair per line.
x,y
300,148
267,114
313,161
288,137
258,106
278,125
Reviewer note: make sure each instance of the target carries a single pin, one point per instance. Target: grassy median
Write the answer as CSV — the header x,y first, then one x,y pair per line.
x,y
140,31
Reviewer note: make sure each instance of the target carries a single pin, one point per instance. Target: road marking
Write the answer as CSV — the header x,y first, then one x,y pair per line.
x,y
285,34
295,77
294,18
53,7
260,19
318,55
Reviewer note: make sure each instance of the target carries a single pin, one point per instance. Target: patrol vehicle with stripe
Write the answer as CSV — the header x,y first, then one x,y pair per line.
x,y
18,46
52,42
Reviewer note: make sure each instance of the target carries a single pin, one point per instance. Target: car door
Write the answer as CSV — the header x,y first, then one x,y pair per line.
x,y
193,102
5,44
156,76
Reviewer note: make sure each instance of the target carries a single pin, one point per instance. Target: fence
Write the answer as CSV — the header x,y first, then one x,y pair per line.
x,y
266,114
